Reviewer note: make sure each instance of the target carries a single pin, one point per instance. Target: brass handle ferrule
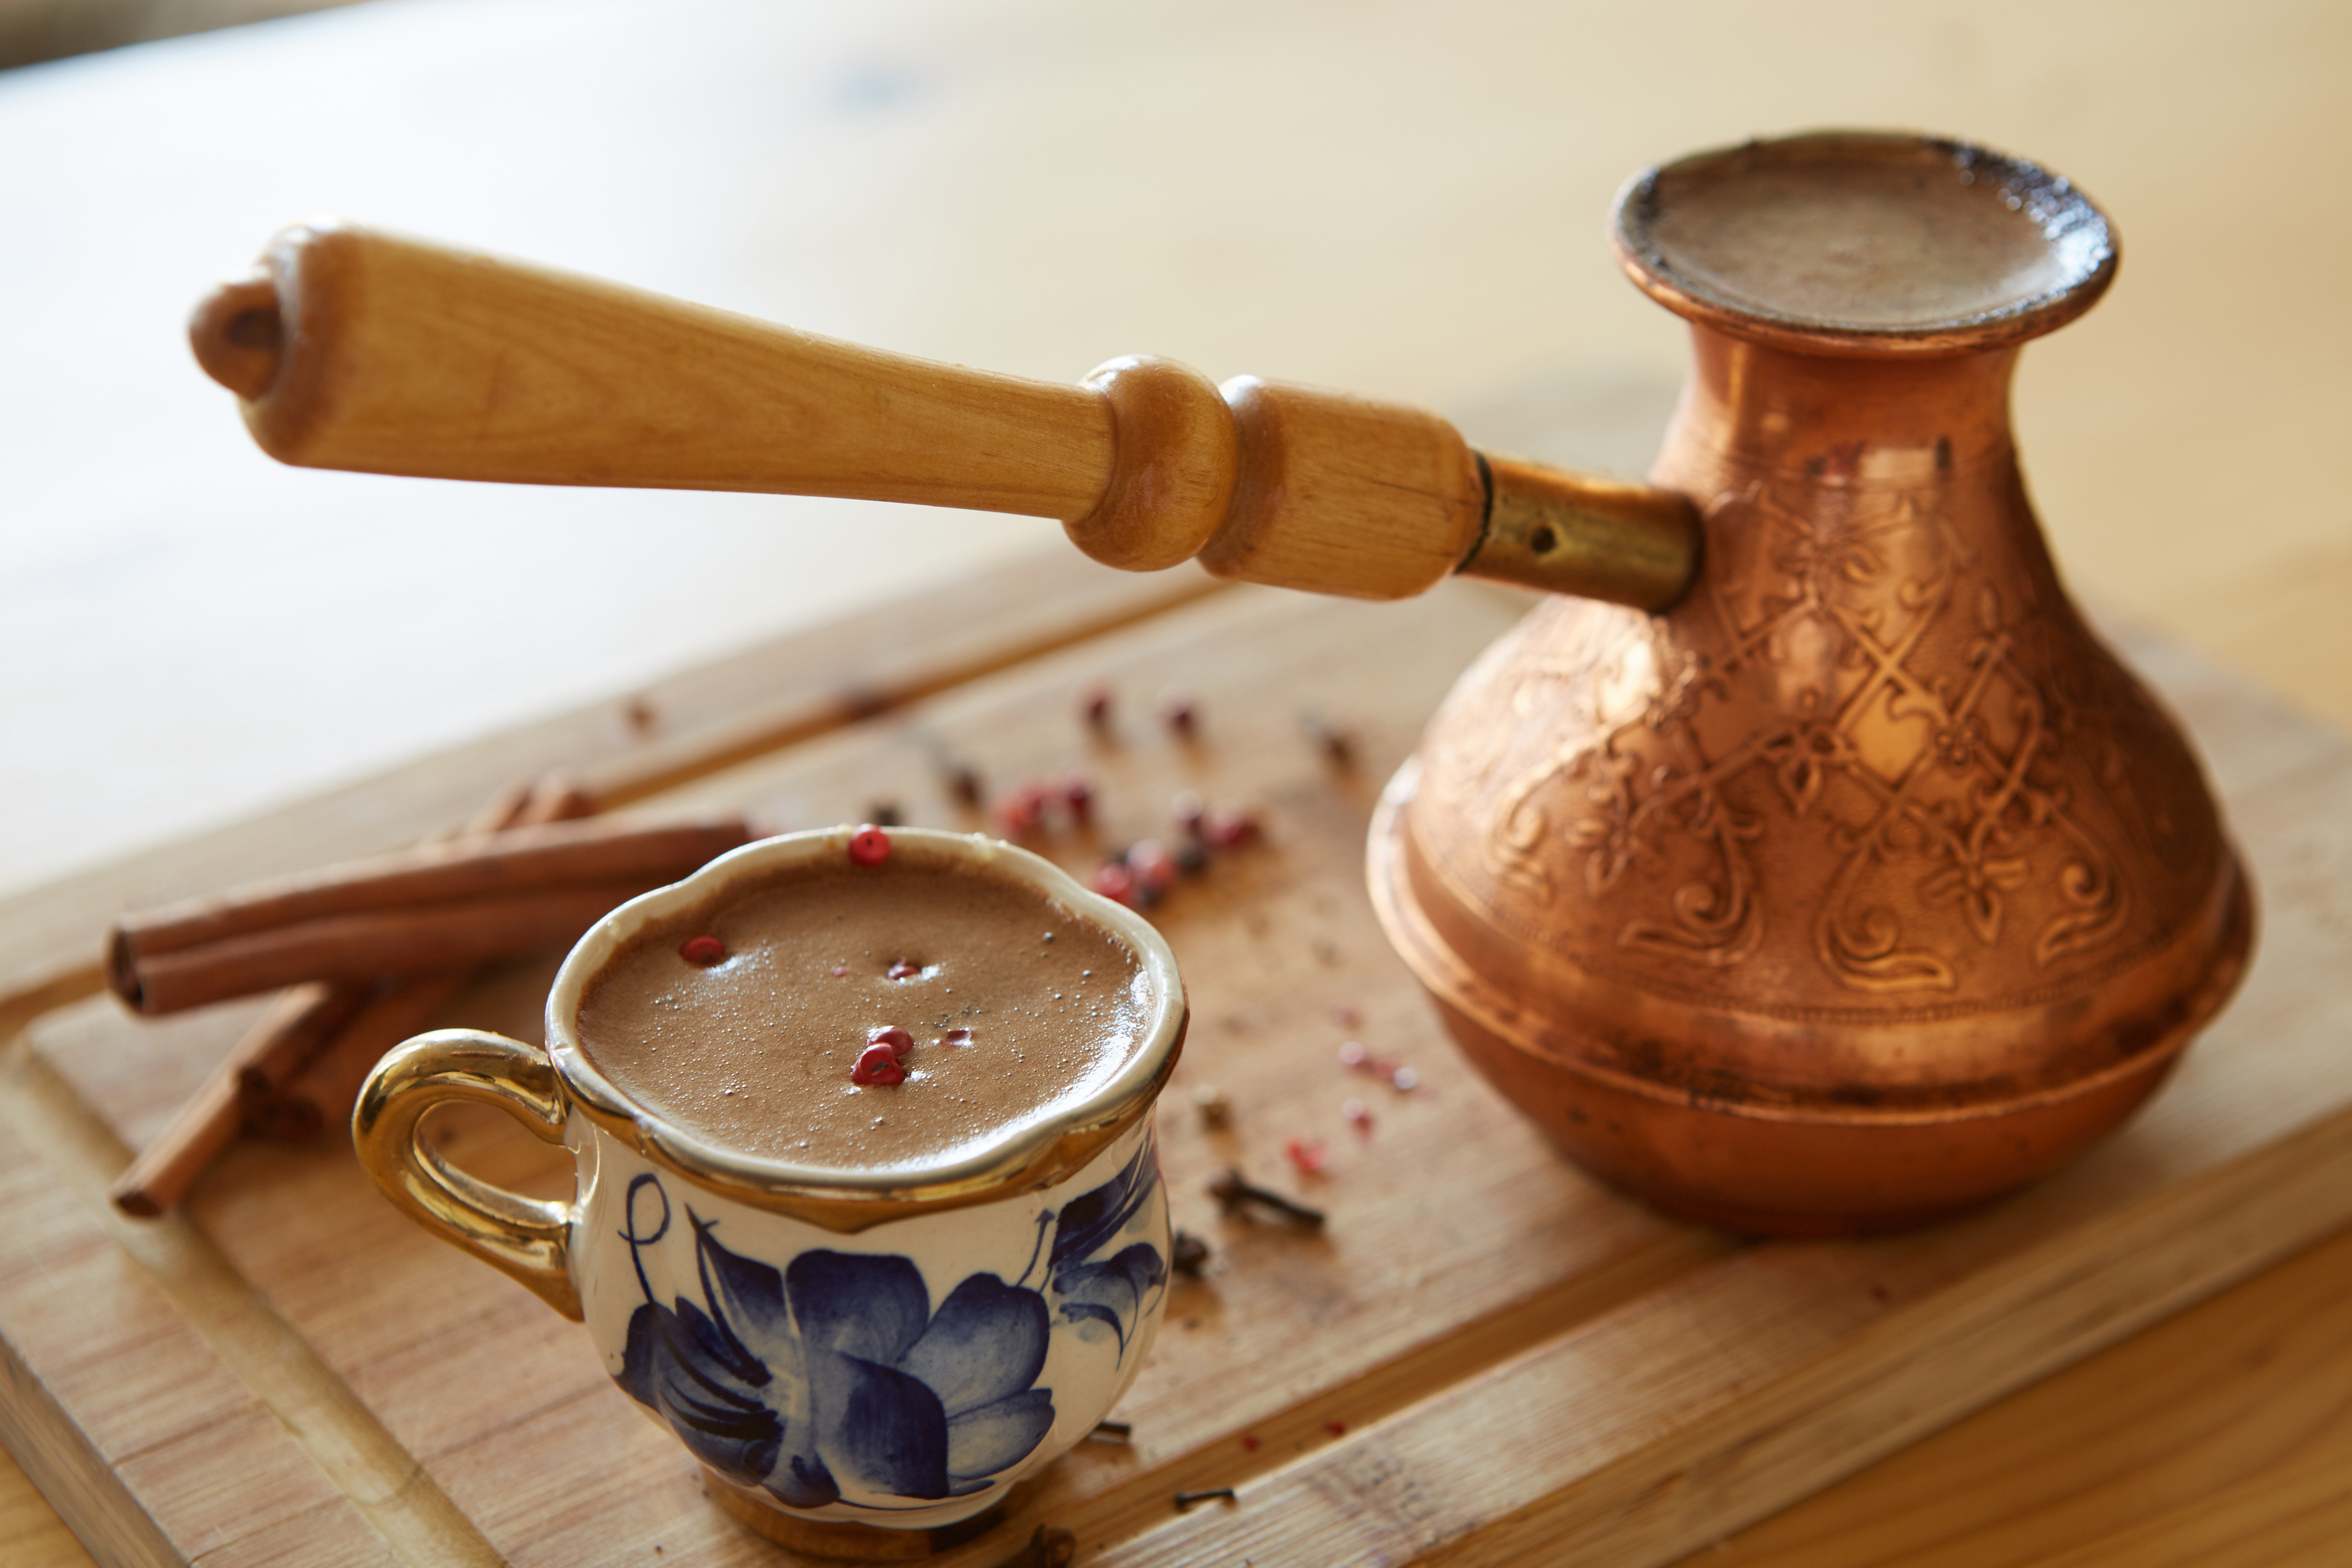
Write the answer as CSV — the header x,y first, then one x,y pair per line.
x,y
1576,533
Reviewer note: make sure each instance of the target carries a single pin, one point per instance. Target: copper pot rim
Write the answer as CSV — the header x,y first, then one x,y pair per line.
x,y
2050,199
1447,978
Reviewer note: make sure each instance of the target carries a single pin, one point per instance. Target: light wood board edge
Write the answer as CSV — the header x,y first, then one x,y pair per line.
x,y
1743,1437
665,734
58,1456
318,1412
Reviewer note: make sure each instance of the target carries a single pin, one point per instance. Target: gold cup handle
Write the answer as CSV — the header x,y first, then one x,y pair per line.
x,y
527,1237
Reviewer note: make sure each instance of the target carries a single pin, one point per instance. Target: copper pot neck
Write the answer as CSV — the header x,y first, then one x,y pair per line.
x,y
1901,421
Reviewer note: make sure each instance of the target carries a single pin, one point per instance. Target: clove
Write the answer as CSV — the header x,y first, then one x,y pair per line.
x,y
1338,746
1232,1191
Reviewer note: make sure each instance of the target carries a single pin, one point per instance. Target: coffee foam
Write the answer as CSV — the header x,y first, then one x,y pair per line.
x,y
754,1052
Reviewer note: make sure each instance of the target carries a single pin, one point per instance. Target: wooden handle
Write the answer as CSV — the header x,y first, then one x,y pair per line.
x,y
357,350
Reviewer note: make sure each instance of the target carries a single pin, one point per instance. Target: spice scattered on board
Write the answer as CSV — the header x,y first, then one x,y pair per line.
x,y
1398,1077
962,780
1233,1192
1178,712
1338,745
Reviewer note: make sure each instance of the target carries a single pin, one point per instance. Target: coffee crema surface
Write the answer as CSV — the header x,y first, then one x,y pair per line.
x,y
1864,242
755,1052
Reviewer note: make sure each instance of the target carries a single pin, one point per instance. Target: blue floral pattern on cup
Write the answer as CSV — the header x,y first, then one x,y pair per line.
x,y
834,1375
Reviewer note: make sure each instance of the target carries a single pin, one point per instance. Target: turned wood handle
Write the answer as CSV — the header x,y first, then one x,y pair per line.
x,y
351,349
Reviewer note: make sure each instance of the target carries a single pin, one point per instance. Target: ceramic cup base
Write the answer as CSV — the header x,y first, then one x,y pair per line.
x,y
845,1540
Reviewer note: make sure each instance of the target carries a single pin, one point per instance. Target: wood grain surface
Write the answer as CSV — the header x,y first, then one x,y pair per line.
x,y
1418,218
1485,1358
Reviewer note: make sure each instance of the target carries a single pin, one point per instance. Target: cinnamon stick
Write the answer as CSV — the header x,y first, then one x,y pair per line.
x,y
297,1026
300,1108
246,941
155,1180
411,939
609,848
300,1021
323,1090
322,1094
272,1063
294,1031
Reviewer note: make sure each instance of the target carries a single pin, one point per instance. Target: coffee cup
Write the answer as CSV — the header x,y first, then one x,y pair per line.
x,y
853,1333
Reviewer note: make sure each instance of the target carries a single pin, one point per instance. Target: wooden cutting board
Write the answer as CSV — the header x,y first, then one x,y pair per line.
x,y
1485,1357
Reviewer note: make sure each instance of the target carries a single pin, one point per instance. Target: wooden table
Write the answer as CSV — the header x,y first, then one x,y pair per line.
x,y
1407,203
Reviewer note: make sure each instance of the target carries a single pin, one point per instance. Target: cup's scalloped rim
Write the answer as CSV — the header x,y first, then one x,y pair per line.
x,y
2054,199
1002,1160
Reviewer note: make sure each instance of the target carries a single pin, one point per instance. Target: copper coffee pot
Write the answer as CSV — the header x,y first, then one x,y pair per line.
x,y
1815,869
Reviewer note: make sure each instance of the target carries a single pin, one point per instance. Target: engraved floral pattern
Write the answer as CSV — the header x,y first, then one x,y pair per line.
x,y
1944,782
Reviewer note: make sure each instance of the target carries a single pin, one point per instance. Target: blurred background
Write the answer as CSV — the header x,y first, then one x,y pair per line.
x,y
1406,199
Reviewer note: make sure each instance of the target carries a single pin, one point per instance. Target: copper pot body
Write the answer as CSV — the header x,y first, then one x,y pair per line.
x,y
1865,884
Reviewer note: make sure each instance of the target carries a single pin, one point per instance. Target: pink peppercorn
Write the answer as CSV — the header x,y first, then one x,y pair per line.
x,y
1115,881
1188,811
1080,796
877,1064
902,970
1176,712
702,951
1306,1154
869,846
1022,811
1152,864
891,1034
1228,829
